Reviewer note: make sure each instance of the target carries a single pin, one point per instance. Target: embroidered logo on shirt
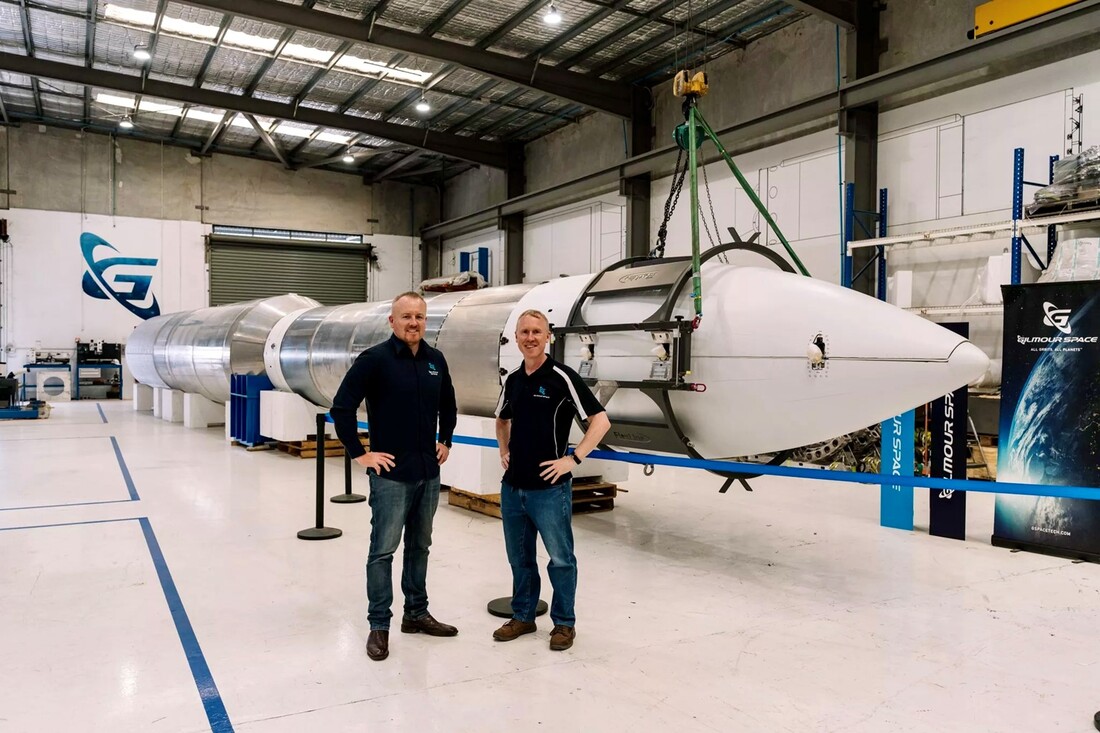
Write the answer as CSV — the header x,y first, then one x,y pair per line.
x,y
432,369
542,393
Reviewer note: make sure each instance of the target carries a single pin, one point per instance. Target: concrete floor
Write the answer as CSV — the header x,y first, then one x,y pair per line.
x,y
182,601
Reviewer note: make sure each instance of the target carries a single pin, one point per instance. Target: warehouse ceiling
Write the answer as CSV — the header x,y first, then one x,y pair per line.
x,y
413,90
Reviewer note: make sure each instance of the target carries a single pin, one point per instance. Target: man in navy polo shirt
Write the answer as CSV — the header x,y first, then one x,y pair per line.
x,y
534,414
408,389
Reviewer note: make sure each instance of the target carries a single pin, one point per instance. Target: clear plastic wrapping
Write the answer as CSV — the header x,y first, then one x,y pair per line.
x,y
1076,184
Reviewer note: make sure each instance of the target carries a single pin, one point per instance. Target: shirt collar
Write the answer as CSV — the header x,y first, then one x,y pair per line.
x,y
400,348
546,366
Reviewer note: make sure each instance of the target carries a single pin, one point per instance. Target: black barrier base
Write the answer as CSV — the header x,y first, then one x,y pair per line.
x,y
1044,549
348,499
1096,721
503,607
320,533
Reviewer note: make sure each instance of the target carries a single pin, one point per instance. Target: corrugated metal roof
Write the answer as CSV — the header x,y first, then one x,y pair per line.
x,y
193,41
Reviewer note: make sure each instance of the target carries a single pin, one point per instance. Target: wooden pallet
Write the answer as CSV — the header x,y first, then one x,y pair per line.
x,y
308,448
588,497
976,471
254,446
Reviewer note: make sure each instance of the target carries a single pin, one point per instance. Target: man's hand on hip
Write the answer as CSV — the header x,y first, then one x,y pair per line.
x,y
378,461
553,470
442,452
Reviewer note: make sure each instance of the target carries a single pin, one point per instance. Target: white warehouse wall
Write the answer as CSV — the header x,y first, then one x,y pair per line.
x,y
45,306
571,240
798,181
947,162
397,268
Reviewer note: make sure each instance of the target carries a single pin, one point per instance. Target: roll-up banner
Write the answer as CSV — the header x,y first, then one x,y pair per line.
x,y
948,456
1050,416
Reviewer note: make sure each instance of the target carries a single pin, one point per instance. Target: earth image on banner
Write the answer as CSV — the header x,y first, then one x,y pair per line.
x,y
1054,439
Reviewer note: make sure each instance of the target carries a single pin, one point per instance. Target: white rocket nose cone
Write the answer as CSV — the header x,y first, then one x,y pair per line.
x,y
968,363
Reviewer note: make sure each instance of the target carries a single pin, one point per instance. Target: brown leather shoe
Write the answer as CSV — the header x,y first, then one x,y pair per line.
x,y
561,638
426,625
378,645
513,629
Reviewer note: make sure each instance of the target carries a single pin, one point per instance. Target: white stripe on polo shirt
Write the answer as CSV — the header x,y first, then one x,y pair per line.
x,y
500,400
572,391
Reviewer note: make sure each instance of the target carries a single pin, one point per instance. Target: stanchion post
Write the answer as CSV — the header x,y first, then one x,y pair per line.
x,y
347,497
320,531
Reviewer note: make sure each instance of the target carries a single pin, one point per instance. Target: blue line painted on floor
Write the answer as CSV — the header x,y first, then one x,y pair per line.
x,y
200,671
100,408
208,691
55,506
125,471
70,524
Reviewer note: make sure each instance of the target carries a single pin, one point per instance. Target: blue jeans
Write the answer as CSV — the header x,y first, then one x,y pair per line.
x,y
548,512
397,506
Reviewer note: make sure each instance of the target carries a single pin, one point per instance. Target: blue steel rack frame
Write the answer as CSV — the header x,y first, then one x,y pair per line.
x,y
1019,239
851,221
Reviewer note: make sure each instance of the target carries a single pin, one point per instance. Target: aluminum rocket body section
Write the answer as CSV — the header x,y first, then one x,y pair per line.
x,y
143,344
471,342
310,352
197,351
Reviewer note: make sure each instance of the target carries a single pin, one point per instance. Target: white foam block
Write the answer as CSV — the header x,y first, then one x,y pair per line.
x,y
143,397
287,416
200,412
171,408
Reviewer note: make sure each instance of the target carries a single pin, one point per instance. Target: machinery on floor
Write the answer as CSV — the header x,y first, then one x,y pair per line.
x,y
11,408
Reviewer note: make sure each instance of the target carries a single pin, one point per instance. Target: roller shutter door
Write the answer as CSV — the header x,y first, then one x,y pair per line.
x,y
330,274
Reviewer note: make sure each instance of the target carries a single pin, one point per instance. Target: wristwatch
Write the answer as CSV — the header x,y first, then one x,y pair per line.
x,y
576,458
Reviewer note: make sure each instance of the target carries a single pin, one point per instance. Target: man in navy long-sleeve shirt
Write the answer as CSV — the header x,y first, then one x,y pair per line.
x,y
408,389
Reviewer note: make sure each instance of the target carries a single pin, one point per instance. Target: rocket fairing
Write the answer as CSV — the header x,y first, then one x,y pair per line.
x,y
777,361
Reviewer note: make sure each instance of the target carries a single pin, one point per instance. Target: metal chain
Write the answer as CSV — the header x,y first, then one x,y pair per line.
x,y
678,175
717,238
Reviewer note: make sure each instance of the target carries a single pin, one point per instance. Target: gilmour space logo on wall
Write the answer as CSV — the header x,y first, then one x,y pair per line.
x,y
1057,317
97,283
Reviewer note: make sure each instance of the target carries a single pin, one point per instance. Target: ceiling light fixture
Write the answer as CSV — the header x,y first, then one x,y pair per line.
x,y
126,123
141,53
349,158
422,106
552,17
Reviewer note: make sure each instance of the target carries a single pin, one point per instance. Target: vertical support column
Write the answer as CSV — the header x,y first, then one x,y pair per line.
x,y
849,234
1017,210
1052,235
637,190
861,166
512,224
860,126
882,204
429,257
